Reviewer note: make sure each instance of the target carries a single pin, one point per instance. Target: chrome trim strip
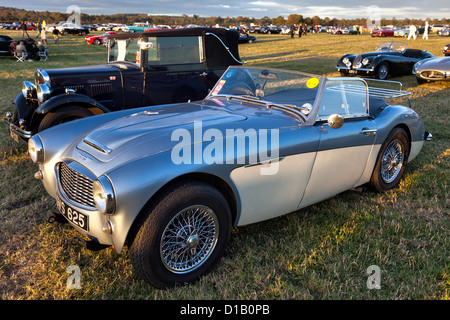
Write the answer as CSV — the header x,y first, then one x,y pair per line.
x,y
279,159
97,146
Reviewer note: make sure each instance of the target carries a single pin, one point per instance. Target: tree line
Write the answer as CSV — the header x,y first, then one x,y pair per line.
x,y
9,15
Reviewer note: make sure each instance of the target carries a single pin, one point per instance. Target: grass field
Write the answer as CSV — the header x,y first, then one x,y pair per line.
x,y
320,252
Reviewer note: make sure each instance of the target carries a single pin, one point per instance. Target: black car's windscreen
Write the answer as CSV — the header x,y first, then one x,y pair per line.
x,y
170,51
124,50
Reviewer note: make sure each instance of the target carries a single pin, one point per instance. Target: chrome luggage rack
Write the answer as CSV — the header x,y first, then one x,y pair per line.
x,y
371,91
377,92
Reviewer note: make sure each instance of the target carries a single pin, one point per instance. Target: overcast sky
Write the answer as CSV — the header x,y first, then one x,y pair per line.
x,y
248,8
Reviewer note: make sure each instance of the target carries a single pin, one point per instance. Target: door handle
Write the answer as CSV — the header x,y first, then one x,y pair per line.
x,y
203,74
369,131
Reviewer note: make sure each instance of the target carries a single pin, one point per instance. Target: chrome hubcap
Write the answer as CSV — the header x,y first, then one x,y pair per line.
x,y
383,72
392,161
189,239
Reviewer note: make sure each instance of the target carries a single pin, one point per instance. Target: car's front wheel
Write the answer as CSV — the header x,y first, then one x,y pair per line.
x,y
383,71
181,236
391,161
64,114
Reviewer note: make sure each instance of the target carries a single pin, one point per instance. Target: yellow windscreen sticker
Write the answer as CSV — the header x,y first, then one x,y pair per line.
x,y
312,83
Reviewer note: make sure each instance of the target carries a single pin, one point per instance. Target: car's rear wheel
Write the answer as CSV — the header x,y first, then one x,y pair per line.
x,y
182,236
383,71
64,114
391,161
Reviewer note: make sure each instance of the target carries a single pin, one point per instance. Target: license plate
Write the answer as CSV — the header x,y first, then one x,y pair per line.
x,y
77,218
14,135
351,71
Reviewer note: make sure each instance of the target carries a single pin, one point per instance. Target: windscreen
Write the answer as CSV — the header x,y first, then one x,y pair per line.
x,y
288,88
124,50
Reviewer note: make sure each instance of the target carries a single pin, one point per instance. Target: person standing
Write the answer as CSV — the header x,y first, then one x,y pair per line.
x,y
425,32
23,27
412,32
292,31
39,29
56,35
44,36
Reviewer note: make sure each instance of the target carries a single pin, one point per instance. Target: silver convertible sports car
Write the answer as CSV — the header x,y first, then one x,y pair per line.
x,y
171,181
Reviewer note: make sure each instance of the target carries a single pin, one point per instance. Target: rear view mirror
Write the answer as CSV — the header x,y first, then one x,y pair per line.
x,y
267,75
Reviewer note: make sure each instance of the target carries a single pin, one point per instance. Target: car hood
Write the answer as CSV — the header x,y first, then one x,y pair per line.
x,y
150,131
439,64
160,129
91,71
376,53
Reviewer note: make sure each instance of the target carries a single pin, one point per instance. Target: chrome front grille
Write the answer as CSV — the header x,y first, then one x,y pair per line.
x,y
432,74
357,62
76,186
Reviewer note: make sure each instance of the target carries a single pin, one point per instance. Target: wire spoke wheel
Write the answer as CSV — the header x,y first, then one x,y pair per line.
x,y
383,71
189,239
392,161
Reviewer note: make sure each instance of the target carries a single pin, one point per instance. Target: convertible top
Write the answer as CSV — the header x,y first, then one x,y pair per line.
x,y
217,54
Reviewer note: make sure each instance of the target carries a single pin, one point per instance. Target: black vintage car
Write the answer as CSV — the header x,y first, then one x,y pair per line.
x,y
5,42
143,69
389,58
244,37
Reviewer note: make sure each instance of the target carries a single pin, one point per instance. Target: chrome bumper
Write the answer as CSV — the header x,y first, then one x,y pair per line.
x,y
356,70
14,130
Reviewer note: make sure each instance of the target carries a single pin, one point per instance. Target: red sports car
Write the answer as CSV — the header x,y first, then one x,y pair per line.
x,y
382,33
98,39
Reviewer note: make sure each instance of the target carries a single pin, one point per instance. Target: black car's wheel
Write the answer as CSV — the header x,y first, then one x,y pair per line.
x,y
383,71
182,236
391,161
64,114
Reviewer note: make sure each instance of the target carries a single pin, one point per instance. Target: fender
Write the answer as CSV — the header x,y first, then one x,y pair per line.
x,y
55,102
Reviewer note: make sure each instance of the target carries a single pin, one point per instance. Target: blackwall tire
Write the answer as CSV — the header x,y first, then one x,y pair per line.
x,y
62,115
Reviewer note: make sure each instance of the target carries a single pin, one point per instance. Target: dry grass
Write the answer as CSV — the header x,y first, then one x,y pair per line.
x,y
321,252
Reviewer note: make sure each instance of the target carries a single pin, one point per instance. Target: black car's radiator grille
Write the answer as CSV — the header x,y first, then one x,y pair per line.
x,y
357,61
76,186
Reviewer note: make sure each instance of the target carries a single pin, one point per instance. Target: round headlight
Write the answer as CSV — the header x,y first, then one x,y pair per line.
x,y
43,91
365,61
28,89
103,195
416,65
35,149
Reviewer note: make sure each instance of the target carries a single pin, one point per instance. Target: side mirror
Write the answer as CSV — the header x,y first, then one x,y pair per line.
x,y
267,75
335,121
